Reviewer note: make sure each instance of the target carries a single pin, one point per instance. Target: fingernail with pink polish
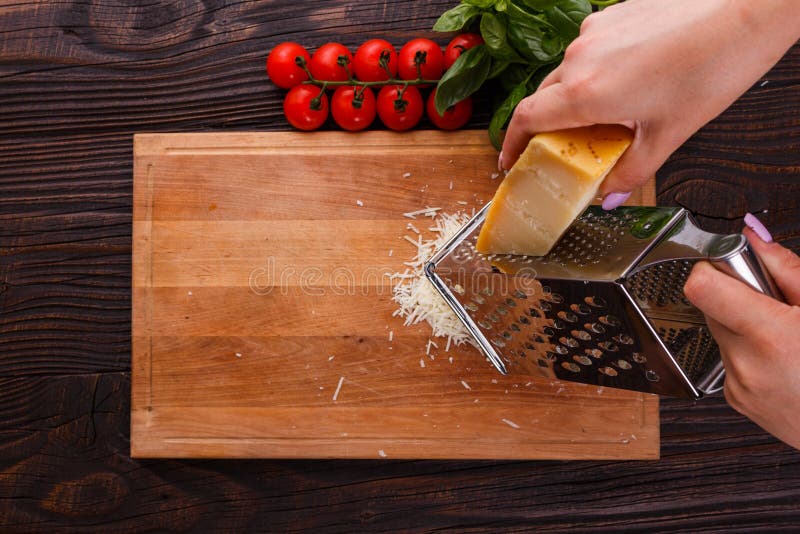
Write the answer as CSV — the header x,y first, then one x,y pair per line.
x,y
758,227
500,162
614,200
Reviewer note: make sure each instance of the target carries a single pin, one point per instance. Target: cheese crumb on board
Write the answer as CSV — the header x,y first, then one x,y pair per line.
x,y
427,212
551,184
359,203
512,424
338,388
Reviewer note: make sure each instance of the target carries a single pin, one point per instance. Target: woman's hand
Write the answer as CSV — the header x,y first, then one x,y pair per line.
x,y
664,69
759,338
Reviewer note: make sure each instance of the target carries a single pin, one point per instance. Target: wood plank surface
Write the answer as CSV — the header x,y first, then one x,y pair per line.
x,y
78,79
262,289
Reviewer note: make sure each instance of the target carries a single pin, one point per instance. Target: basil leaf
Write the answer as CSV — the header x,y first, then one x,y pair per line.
x,y
454,19
483,4
566,17
540,5
534,17
526,33
464,78
498,67
538,77
553,45
515,74
493,31
501,5
504,111
527,40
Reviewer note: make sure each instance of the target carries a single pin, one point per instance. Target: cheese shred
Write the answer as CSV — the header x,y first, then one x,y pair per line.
x,y
416,297
338,388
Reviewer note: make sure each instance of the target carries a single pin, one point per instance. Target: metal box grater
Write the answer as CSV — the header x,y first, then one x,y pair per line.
x,y
605,306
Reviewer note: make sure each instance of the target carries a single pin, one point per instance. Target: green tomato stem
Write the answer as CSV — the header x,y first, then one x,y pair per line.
x,y
316,102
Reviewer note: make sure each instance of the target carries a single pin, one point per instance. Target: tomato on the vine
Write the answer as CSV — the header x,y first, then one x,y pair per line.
x,y
454,117
306,107
460,44
400,108
367,61
427,53
353,108
325,65
282,67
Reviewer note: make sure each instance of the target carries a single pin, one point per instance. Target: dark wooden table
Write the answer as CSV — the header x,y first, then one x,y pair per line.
x,y
77,79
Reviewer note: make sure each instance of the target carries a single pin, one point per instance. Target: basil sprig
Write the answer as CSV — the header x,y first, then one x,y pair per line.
x,y
523,41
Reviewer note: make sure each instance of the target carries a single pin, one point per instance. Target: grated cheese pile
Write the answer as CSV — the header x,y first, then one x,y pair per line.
x,y
418,300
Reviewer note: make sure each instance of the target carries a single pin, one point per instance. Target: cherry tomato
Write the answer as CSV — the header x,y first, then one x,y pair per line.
x,y
306,107
399,112
351,112
325,63
430,57
454,117
367,61
460,44
282,68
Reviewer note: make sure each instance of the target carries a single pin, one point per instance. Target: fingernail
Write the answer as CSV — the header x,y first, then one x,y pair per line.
x,y
614,200
500,162
758,227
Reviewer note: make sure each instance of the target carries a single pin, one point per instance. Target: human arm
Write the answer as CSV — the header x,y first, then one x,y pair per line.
x,y
758,337
664,69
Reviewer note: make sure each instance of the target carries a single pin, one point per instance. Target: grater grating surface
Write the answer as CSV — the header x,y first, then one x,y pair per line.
x,y
604,307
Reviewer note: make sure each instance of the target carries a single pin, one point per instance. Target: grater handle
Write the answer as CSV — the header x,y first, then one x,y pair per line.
x,y
745,265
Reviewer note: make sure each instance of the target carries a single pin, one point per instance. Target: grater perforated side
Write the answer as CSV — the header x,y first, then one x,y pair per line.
x,y
578,313
658,291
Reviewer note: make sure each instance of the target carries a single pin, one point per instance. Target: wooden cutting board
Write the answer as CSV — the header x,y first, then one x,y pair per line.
x,y
262,310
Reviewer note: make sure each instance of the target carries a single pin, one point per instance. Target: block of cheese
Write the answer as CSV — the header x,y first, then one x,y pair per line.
x,y
550,185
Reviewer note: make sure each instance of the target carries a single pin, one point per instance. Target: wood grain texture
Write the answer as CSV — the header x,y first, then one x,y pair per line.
x,y
287,365
77,79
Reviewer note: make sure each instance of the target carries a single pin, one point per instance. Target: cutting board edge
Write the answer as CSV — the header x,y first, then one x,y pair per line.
x,y
643,448
148,144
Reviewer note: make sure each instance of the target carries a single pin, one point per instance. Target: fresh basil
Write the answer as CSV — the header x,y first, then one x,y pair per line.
x,y
526,33
464,78
457,18
503,113
566,17
540,5
493,31
527,79
483,4
498,68
524,41
516,74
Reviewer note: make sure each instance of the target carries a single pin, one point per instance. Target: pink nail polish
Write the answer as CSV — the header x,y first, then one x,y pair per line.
x,y
758,227
500,162
614,200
